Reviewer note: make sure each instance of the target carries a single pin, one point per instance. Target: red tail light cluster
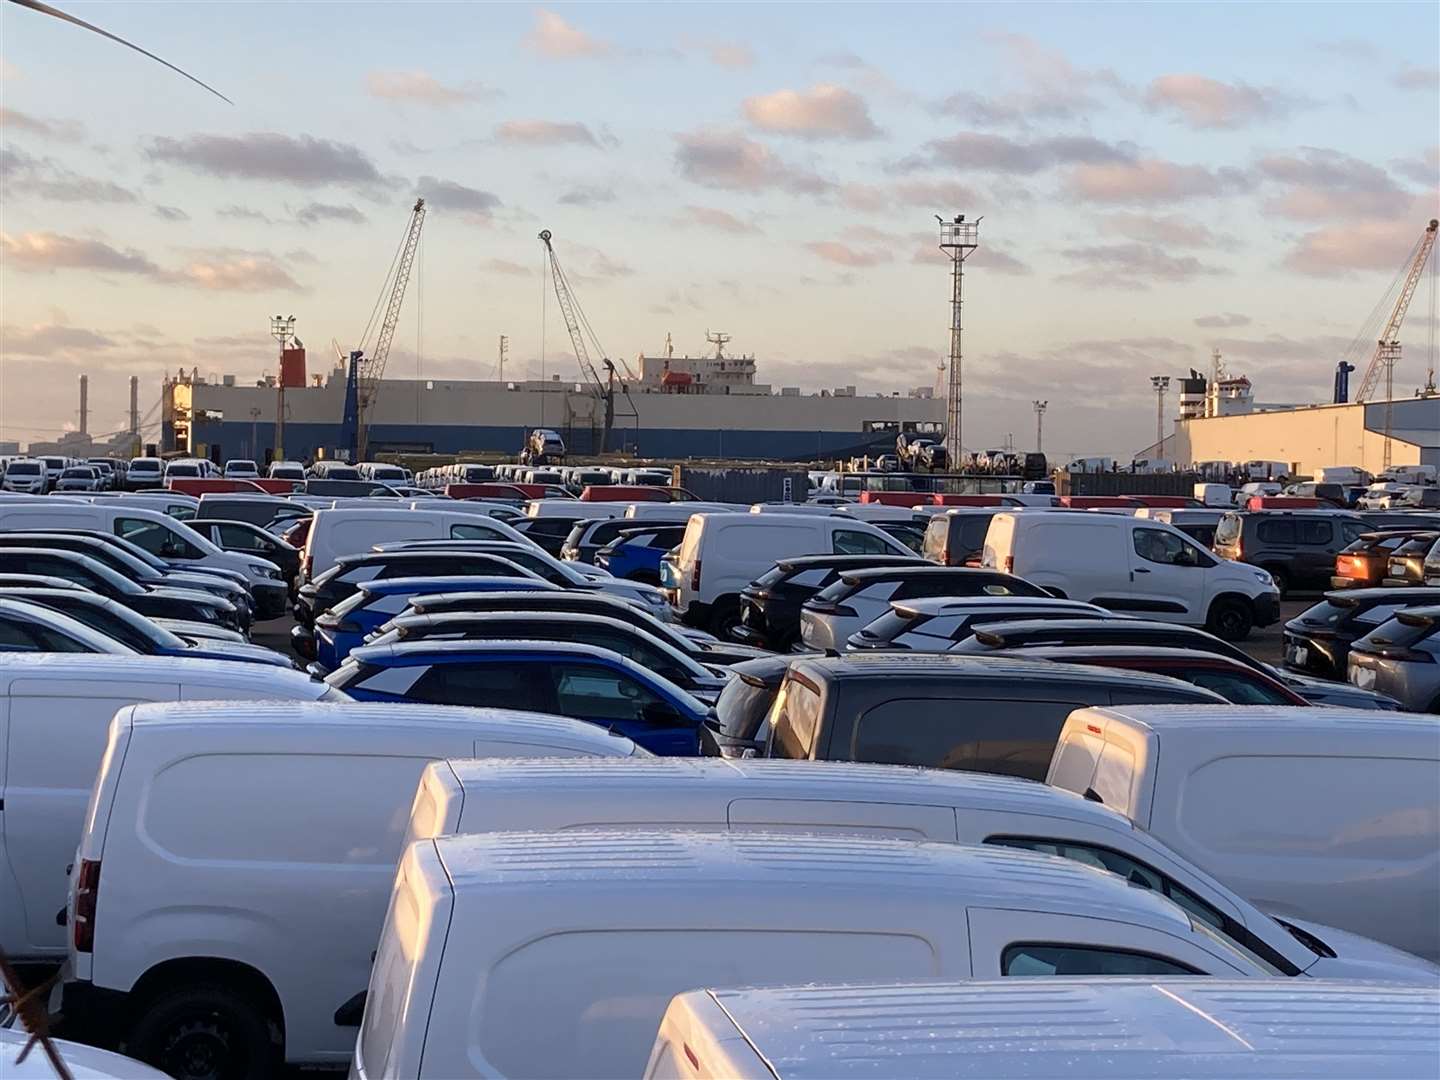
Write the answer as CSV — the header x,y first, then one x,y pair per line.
x,y
87,891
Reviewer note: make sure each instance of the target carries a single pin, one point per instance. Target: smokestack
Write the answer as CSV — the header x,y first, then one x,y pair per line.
x,y
134,404
84,404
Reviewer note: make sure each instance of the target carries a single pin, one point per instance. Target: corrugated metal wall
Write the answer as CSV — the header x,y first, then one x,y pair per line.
x,y
743,485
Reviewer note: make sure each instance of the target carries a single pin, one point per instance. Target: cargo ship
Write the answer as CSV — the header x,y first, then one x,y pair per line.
x,y
666,406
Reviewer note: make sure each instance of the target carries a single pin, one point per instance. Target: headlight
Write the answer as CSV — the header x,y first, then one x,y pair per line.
x,y
1263,577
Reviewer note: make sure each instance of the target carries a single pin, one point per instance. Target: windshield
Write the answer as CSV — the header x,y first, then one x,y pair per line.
x,y
24,468
77,474
144,466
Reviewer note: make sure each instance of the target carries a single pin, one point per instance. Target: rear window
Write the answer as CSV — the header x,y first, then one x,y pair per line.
x,y
1228,531
1398,635
144,466
794,720
891,625
742,708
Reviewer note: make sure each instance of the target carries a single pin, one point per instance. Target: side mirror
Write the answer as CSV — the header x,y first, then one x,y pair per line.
x,y
660,714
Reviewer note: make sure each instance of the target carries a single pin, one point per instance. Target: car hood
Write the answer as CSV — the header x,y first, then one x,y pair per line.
x,y
1323,692
594,573
205,583
1358,957
193,596
231,650
198,631
709,644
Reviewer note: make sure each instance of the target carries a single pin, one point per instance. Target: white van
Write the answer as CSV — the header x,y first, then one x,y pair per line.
x,y
1132,566
1346,475
555,954
54,711
1327,813
157,533
678,511
1222,495
1020,1029
84,1062
275,828
723,553
355,530
874,800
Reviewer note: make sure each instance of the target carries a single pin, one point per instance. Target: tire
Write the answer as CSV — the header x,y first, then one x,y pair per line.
x,y
1280,577
724,617
206,1031
1231,619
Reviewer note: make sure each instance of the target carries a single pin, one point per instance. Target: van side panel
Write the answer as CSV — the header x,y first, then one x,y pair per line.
x,y
901,822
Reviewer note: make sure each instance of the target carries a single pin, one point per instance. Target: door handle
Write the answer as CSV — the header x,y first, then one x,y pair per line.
x,y
1141,570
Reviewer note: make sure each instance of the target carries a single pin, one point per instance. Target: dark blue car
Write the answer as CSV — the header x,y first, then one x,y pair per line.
x,y
374,603
636,553
579,681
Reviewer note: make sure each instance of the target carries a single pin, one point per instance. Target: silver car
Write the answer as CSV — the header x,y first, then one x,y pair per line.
x,y
79,478
1401,658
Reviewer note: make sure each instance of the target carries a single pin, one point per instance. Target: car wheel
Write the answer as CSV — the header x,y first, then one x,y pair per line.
x,y
1230,619
724,617
206,1032
1280,577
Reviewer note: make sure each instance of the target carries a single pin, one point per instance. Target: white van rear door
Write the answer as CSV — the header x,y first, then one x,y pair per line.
x,y
896,820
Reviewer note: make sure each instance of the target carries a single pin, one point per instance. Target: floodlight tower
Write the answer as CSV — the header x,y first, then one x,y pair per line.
x,y
1040,407
958,238
282,329
1161,383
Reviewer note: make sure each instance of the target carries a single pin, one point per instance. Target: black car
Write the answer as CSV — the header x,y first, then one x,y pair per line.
x,y
1296,547
251,539
1334,494
349,489
587,537
992,715
257,509
1365,563
163,603
1318,640
1407,564
1237,683
742,707
344,578
770,605
552,531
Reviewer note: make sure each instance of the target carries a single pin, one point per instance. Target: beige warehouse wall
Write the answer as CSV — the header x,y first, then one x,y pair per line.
x,y
1307,438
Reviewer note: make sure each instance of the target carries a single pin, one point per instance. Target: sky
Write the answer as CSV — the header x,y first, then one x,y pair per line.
x,y
1155,181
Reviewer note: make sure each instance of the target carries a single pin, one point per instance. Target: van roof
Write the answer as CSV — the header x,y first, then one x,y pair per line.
x,y
649,862
1328,719
60,666
942,605
760,778
350,714
867,665
1112,1027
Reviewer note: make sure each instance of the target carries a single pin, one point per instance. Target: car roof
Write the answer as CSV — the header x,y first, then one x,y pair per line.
x,y
388,586
552,595
42,580
1091,626
804,562
1141,1028
948,605
942,666
1129,652
1262,717
921,568
54,667
1359,597
408,555
655,859
405,650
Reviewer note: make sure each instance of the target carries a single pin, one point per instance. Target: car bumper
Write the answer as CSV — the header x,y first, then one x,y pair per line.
x,y
270,599
1414,684
1322,657
1267,609
90,1013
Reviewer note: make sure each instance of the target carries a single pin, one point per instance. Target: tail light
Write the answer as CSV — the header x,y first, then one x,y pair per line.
x,y
87,890
695,577
306,565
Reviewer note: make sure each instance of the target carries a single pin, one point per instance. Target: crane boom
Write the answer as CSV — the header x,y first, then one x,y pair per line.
x,y
1388,345
578,326
371,369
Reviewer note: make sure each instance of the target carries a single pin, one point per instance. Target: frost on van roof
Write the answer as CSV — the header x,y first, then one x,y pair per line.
x,y
692,863
1131,1028
174,668
1181,717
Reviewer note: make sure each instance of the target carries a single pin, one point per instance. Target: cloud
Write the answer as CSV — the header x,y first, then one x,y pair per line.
x,y
23,175
1226,321
1355,245
733,162
1417,78
996,260
244,213
314,213
235,271
48,339
709,217
422,88
732,55
171,213
1321,185
1131,266
12,120
545,133
1205,103
302,160
505,266
1424,169
47,251
1170,231
825,111
448,195
844,255
1017,110
588,196
985,152
552,36
1152,180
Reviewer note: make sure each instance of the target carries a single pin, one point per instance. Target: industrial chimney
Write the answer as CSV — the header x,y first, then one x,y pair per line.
x,y
84,404
135,405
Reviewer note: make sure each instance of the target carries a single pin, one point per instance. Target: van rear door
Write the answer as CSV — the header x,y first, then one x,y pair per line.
x,y
1108,758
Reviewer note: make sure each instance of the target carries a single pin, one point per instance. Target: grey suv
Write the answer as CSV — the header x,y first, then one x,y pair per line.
x,y
1296,547
1401,658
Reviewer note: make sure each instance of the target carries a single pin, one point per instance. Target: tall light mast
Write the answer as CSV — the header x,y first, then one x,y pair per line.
x,y
958,238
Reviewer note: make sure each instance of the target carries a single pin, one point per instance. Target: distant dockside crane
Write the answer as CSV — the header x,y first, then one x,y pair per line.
x,y
1387,347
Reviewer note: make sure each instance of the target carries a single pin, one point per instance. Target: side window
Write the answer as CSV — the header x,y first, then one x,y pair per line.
x,y
633,648
1012,738
236,538
156,539
599,693
498,685
794,718
1159,546
16,637
1313,531
1038,959
853,542
1234,688
1277,531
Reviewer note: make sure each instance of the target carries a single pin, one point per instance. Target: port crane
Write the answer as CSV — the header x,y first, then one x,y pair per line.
x,y
580,329
365,371
1387,347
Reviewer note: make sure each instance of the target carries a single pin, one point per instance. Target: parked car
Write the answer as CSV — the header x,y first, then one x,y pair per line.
x,y
1383,495
635,554
257,509
1332,493
589,535
147,636
561,939
579,681
943,805
956,537
1297,548
743,708
1366,561
24,477
1407,562
722,553
20,1059
35,628
240,469
59,708
97,577
1401,658
79,478
1271,800
1198,524
770,605
1237,683
1420,498
344,577
246,538
996,716
144,474
1318,640
859,597
789,1032
935,624
276,826
1431,565
442,615
1132,566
